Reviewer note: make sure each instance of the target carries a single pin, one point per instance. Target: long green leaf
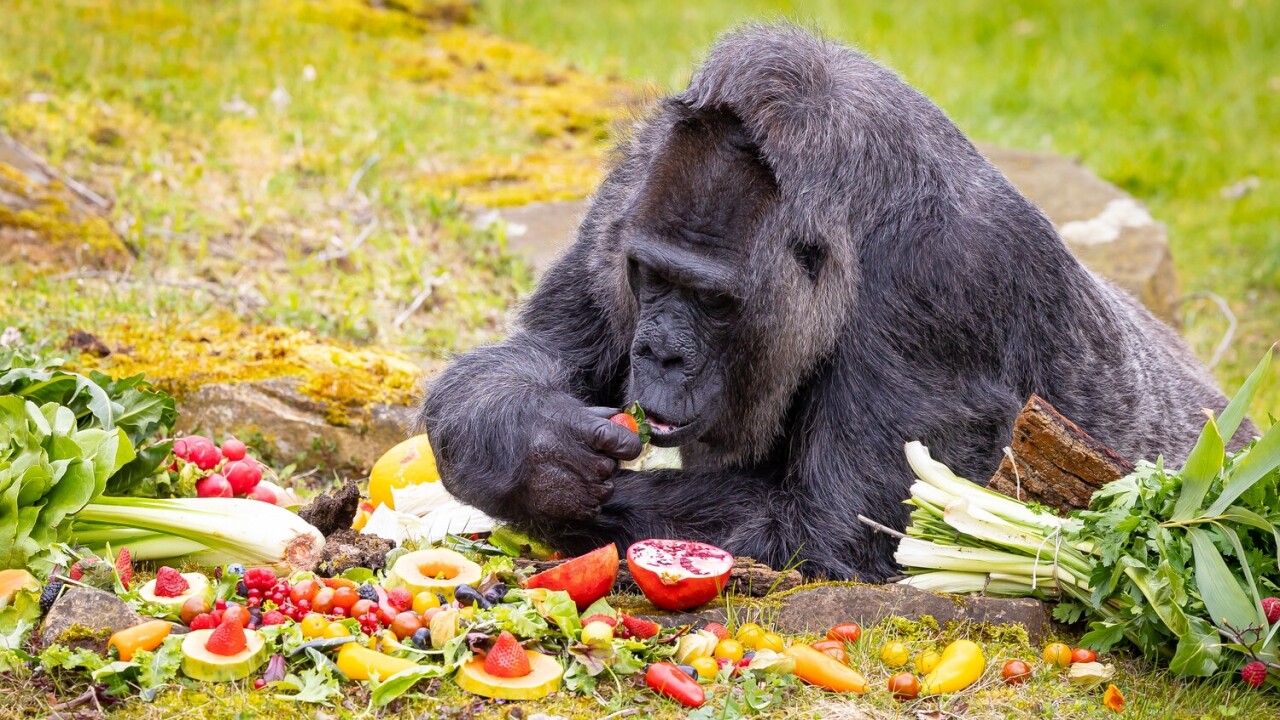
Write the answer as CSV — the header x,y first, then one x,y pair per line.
x,y
1262,459
1226,601
1202,466
1239,405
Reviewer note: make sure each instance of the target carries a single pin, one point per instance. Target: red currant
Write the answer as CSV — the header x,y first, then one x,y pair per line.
x,y
340,612
220,604
259,683
253,602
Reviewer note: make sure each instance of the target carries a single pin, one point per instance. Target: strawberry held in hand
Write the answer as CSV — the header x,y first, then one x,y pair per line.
x,y
507,659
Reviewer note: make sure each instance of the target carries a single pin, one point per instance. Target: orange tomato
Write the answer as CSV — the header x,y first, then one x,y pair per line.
x,y
845,632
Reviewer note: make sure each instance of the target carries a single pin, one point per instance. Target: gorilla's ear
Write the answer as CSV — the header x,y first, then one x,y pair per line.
x,y
810,254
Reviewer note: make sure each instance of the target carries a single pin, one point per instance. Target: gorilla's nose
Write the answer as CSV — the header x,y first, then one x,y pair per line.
x,y
664,357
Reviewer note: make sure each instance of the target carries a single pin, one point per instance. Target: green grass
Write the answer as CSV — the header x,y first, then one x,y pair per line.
x,y
1172,101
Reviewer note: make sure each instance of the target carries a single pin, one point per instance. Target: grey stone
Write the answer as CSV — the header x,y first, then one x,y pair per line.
x,y
295,423
814,610
97,613
1137,258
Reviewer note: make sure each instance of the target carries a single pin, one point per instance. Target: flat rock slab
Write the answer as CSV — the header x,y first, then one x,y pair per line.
x,y
294,423
1105,228
84,617
814,610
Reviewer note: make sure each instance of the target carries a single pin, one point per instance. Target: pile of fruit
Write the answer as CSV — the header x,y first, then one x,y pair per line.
x,y
222,471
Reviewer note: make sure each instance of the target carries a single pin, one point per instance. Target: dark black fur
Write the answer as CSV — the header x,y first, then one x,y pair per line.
x,y
803,263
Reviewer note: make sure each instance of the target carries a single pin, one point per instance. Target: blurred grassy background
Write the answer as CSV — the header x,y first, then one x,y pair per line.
x,y
1174,101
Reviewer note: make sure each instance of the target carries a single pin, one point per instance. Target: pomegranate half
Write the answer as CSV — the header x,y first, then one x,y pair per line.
x,y
679,574
586,578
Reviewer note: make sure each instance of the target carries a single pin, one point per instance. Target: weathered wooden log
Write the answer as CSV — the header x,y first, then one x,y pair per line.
x,y
1054,462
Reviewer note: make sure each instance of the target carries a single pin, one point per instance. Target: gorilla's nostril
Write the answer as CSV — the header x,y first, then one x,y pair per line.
x,y
674,362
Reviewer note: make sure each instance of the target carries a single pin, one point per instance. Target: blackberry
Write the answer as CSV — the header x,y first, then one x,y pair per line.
x,y
367,592
50,594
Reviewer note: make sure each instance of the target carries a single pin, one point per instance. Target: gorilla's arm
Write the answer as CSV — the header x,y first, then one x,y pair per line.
x,y
511,424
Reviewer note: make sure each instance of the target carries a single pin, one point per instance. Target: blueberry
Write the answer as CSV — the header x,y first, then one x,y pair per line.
x,y
749,654
235,569
422,638
367,592
688,670
495,593
467,595
241,589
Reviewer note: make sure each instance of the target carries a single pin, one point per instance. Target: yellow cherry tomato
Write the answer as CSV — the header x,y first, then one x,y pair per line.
x,y
313,625
927,661
707,668
731,650
770,641
895,654
749,635
1057,654
424,601
336,630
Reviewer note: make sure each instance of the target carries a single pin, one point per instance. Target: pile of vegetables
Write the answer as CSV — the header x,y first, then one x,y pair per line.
x,y
1182,564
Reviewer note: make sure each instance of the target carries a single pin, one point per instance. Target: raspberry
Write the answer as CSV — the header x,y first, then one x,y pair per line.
x,y
638,627
203,621
261,578
170,583
506,659
273,617
1271,606
1255,673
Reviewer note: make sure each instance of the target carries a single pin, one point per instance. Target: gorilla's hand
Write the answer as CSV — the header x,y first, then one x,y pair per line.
x,y
573,451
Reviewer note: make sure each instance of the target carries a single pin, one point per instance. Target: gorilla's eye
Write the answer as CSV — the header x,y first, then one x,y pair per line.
x,y
810,255
718,304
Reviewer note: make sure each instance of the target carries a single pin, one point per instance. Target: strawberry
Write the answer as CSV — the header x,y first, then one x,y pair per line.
x,y
400,598
639,627
260,578
721,632
170,583
124,567
1255,673
203,621
94,572
1271,606
606,619
506,659
227,639
625,421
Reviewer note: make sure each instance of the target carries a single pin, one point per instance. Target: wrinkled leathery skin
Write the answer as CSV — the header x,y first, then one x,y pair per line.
x,y
803,263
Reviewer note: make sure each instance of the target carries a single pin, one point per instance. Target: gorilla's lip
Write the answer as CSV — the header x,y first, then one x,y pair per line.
x,y
665,434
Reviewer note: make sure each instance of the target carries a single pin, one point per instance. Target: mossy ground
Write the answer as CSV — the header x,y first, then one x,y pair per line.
x,y
1151,694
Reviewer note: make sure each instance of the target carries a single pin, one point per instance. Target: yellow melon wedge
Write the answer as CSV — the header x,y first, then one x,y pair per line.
x,y
437,570
200,664
542,680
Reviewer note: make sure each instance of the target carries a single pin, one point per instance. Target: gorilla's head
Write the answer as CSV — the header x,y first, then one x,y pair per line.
x,y
702,238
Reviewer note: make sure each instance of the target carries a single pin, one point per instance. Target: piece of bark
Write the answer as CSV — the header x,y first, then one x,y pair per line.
x,y
1057,464
748,577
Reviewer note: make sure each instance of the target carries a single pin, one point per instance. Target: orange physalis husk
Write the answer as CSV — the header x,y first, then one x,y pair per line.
x,y
1113,699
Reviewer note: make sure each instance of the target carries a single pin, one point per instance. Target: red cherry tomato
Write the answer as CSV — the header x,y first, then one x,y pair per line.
x,y
1016,672
904,686
1083,655
845,632
834,648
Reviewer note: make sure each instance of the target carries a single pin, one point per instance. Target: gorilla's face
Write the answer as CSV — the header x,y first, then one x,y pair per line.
x,y
687,240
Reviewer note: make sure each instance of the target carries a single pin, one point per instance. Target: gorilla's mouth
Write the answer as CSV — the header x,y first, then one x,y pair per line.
x,y
670,434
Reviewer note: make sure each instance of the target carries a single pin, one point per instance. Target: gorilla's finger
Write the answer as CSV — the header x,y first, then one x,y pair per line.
x,y
604,412
612,439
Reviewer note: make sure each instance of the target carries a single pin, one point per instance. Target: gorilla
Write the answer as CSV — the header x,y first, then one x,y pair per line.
x,y
796,265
